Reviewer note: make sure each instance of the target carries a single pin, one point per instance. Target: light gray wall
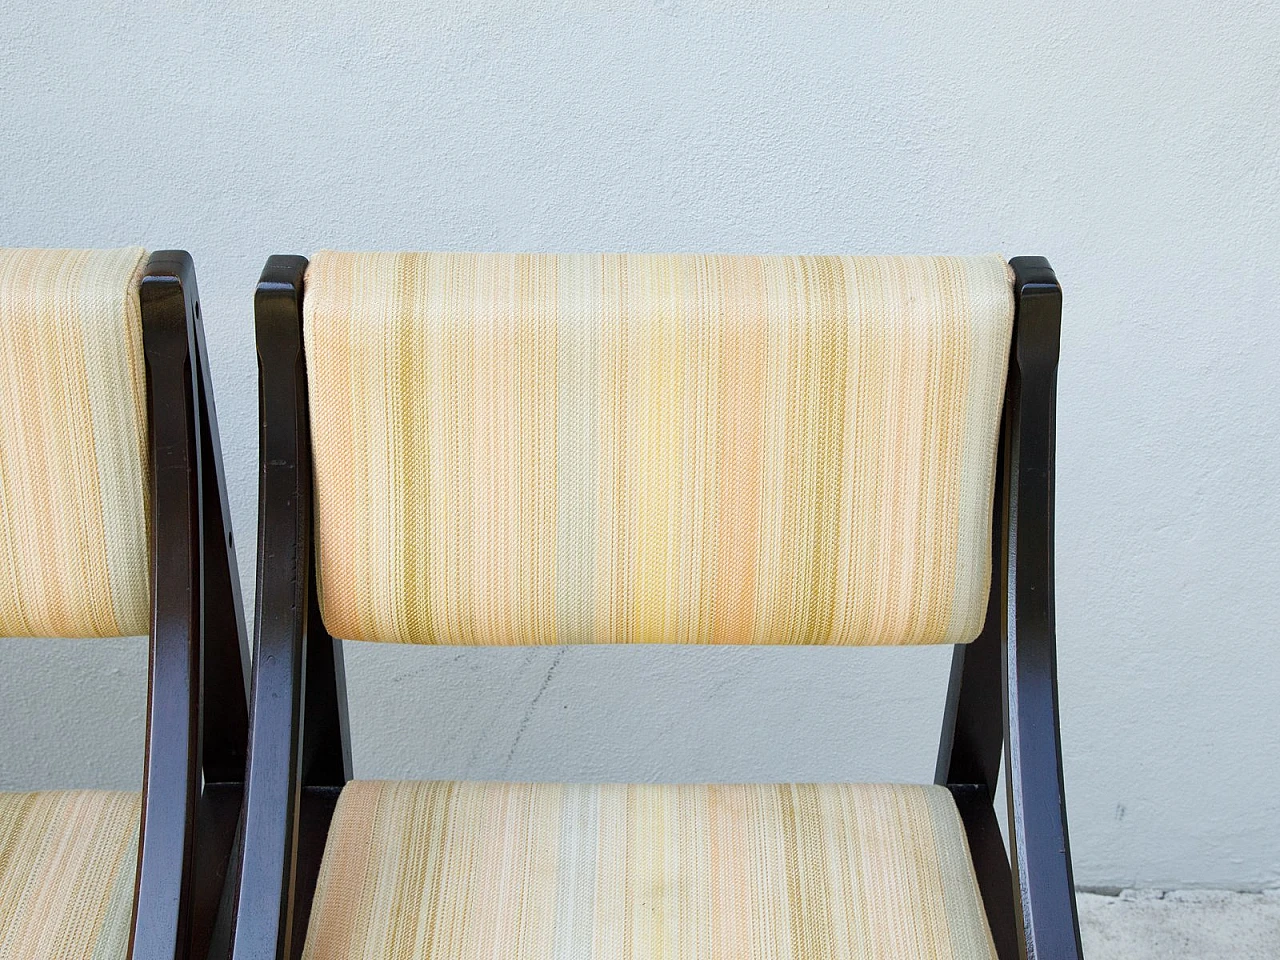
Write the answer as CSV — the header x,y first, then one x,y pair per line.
x,y
1135,147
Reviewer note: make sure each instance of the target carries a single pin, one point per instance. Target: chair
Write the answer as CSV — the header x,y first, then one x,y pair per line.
x,y
495,449
114,522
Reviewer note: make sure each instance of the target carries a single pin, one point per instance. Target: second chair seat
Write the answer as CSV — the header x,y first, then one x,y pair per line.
x,y
542,871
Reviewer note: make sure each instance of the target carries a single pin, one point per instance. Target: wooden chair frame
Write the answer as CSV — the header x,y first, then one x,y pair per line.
x,y
1002,698
193,779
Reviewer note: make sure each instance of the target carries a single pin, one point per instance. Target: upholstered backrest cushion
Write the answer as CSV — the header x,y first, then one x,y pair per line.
x,y
654,449
73,445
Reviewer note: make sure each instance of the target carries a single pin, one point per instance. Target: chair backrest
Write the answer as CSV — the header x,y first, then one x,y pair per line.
x,y
73,445
541,449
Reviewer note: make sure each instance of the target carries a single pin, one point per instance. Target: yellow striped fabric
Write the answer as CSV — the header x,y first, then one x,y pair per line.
x,y
73,445
461,871
67,865
656,449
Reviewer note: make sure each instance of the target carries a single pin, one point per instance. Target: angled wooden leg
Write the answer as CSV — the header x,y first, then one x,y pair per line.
x,y
217,839
1040,852
226,710
171,776
225,699
197,714
299,754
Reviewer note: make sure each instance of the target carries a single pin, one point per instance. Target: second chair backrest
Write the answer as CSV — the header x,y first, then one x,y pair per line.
x,y
654,449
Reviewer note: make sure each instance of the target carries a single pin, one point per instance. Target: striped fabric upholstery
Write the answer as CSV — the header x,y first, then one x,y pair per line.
x,y
67,865
579,872
654,449
73,445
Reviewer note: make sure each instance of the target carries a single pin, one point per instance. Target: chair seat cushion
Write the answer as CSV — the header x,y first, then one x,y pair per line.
x,y
67,864
616,872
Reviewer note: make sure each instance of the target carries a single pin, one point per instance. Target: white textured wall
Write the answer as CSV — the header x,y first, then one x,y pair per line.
x,y
1136,148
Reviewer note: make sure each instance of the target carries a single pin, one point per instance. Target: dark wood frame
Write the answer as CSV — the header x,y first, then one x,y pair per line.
x,y
299,747
197,716
1004,686
1002,698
